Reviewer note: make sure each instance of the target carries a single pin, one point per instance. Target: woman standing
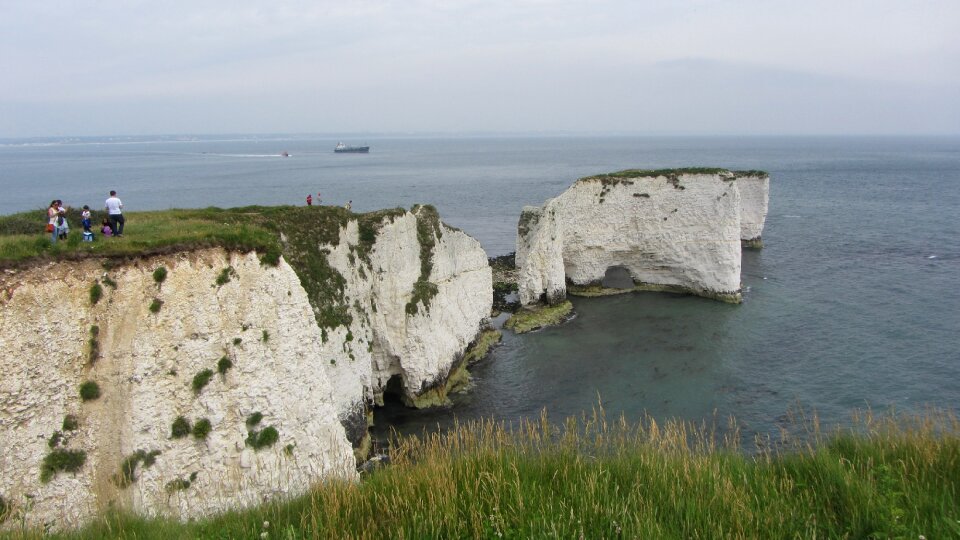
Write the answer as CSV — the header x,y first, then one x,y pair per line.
x,y
53,217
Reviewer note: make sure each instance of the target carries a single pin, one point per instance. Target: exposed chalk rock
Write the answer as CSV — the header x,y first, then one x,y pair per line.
x,y
754,189
676,230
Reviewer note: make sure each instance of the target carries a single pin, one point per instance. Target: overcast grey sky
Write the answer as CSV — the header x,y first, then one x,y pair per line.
x,y
115,67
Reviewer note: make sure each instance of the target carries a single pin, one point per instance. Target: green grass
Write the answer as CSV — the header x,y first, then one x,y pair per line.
x,y
201,379
224,365
253,228
89,391
237,229
254,419
61,460
70,422
593,478
96,293
201,429
160,275
429,230
259,439
128,467
180,427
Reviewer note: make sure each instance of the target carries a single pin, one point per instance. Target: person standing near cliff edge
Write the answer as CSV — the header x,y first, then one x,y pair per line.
x,y
115,211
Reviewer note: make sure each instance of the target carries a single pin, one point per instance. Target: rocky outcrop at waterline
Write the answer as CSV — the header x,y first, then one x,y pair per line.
x,y
205,379
671,230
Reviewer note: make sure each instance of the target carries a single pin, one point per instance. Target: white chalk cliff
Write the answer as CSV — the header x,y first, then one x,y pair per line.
x,y
310,384
677,230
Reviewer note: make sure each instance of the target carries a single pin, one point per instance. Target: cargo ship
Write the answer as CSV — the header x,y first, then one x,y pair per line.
x,y
343,148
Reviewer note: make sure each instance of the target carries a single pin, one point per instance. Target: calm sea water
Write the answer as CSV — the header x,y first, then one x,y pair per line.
x,y
854,302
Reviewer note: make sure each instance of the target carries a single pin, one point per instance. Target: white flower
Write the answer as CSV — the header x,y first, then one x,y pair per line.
x,y
266,524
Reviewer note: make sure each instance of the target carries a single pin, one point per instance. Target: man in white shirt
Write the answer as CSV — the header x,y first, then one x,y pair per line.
x,y
114,210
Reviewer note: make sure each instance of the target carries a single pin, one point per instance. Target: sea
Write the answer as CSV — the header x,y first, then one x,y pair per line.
x,y
852,304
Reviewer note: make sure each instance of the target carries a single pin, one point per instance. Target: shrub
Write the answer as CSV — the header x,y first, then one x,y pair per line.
x,y
349,335
160,274
128,467
89,390
55,439
262,439
237,341
156,305
270,257
70,423
94,351
4,510
109,282
180,484
201,429
94,344
223,365
180,428
96,293
61,460
254,419
224,276
266,336
201,379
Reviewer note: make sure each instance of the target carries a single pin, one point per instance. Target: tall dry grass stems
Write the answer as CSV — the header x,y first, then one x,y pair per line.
x,y
886,476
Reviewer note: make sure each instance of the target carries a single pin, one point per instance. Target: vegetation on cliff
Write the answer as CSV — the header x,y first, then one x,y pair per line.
x,y
536,317
886,477
670,174
296,232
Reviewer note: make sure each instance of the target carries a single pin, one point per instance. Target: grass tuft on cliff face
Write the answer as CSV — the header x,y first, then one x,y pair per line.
x,y
590,477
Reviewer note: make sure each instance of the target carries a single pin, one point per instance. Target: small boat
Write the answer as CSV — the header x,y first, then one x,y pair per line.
x,y
343,148
284,154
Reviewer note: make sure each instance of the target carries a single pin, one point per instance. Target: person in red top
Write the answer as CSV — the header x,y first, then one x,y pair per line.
x,y
309,200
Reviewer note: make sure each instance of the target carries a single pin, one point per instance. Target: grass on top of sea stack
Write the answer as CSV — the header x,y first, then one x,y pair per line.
x,y
887,477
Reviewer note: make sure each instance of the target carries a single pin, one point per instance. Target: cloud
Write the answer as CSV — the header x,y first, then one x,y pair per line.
x,y
471,65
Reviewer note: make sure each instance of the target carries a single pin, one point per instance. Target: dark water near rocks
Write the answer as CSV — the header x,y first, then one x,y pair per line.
x,y
854,301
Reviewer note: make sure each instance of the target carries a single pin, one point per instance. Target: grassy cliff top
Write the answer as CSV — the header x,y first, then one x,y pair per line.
x,y
252,228
672,174
295,232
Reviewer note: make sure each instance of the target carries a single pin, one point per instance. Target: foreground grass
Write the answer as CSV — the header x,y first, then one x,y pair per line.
x,y
886,478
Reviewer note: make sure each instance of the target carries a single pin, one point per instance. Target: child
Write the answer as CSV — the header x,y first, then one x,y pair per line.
x,y
105,229
85,221
63,227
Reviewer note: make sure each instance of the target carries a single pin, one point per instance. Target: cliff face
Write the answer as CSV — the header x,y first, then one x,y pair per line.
x,y
677,230
754,189
147,344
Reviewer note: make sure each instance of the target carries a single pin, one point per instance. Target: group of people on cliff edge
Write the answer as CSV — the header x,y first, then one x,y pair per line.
x,y
59,227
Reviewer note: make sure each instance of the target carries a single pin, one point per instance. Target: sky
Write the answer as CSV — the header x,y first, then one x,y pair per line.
x,y
132,67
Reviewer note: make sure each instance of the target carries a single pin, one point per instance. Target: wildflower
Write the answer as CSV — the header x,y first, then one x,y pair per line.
x,y
266,524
